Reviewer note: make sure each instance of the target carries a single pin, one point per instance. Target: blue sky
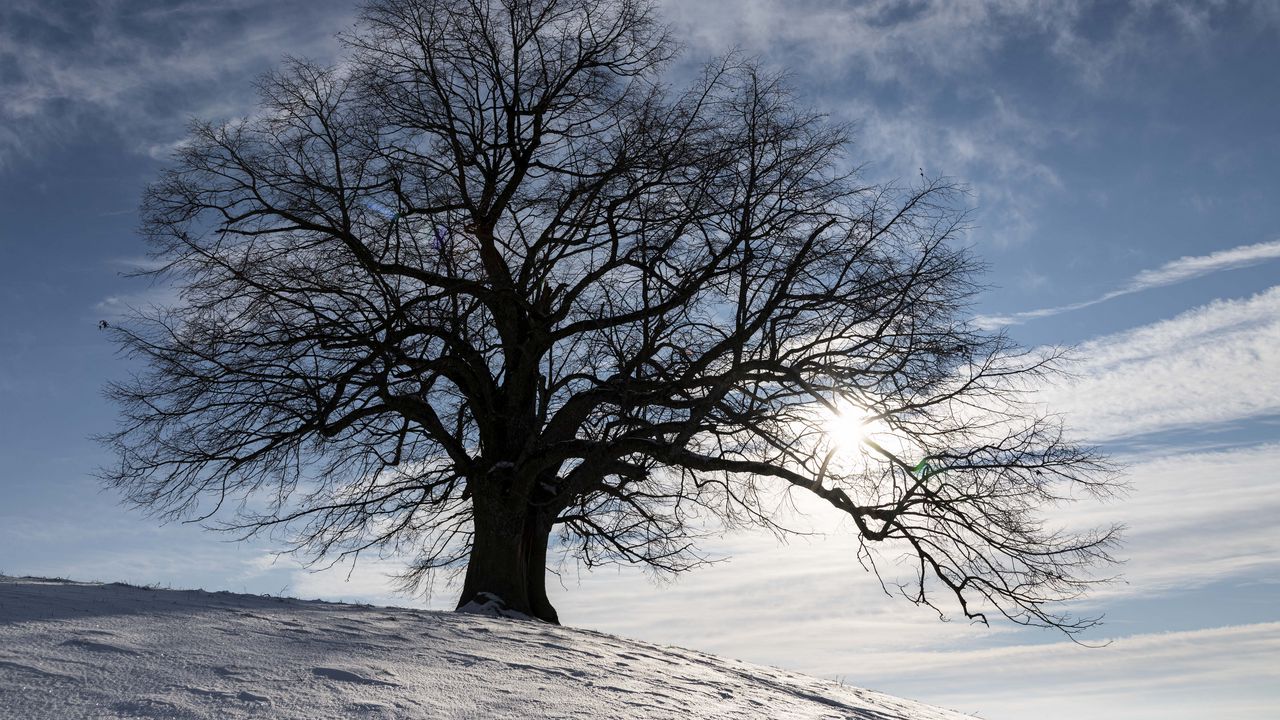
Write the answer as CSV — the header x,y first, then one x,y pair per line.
x,y
1124,166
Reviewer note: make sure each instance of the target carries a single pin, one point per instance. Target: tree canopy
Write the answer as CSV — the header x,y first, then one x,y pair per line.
x,y
494,282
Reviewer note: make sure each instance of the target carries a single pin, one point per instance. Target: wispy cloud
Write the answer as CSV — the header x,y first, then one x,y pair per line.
x,y
119,306
882,39
1222,672
798,605
1173,272
1206,367
370,579
997,155
888,40
1173,500
807,604
1193,266
909,78
921,80
138,71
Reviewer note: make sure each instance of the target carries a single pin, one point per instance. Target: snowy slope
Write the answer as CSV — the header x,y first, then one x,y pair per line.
x,y
79,650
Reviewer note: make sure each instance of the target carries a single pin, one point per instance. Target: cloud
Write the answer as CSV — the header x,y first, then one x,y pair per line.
x,y
370,580
928,82
807,604
90,540
997,156
1206,367
1171,273
1222,672
120,306
883,40
1188,267
1194,519
888,40
139,70
912,81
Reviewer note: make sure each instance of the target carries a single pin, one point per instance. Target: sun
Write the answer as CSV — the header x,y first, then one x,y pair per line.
x,y
855,434
846,427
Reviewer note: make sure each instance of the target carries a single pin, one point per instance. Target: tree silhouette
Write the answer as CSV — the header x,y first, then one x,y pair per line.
x,y
491,282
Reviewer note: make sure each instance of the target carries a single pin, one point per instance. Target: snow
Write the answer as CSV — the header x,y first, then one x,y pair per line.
x,y
85,650
493,606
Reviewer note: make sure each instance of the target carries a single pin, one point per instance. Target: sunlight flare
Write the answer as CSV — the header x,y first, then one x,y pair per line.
x,y
847,427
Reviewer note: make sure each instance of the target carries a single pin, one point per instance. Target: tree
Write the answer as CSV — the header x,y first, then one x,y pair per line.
x,y
491,281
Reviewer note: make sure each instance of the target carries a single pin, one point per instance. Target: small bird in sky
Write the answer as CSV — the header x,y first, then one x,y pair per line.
x,y
103,324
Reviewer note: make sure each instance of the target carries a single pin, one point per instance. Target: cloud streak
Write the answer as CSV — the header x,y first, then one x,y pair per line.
x,y
1194,519
1216,672
1173,272
1205,368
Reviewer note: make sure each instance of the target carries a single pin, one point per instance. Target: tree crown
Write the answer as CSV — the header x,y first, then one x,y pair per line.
x,y
492,272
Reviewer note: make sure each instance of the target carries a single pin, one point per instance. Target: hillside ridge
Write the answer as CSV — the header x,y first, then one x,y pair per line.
x,y
93,650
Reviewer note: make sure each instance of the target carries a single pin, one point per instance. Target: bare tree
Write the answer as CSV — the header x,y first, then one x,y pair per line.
x,y
491,282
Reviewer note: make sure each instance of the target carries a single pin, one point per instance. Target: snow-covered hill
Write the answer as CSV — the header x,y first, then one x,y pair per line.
x,y
80,650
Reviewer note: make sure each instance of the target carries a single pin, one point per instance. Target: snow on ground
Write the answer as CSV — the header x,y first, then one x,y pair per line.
x,y
81,650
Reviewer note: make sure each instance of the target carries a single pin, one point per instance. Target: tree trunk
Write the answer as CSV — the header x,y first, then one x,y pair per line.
x,y
536,570
509,558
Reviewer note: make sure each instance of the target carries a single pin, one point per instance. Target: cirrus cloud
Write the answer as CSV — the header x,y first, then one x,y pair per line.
x,y
1173,272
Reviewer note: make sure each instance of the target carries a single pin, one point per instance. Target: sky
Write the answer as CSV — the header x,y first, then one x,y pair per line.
x,y
1121,160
